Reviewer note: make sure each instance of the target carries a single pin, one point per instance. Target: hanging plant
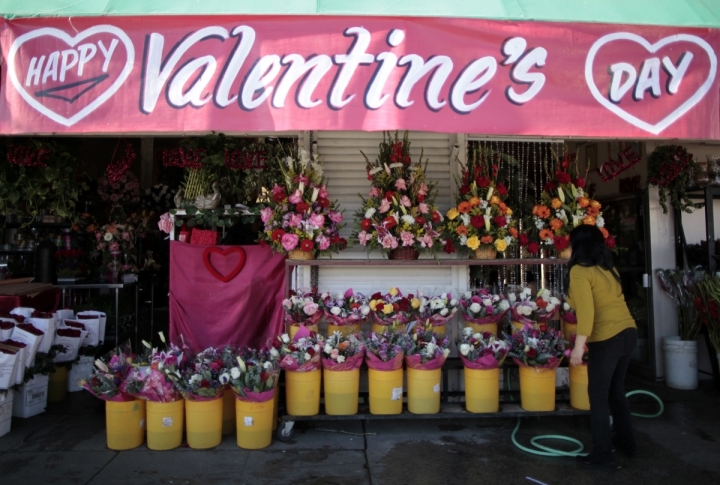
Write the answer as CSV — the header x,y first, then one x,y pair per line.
x,y
668,170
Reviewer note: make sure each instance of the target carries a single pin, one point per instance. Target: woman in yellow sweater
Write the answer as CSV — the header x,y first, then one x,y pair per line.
x,y
608,329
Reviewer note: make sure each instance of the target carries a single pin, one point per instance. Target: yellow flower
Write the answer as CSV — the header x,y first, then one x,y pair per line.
x,y
393,291
474,201
387,309
500,245
495,200
508,211
372,305
556,203
452,214
415,303
473,243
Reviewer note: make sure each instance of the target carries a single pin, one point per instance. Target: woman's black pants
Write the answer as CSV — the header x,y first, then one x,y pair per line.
x,y
608,362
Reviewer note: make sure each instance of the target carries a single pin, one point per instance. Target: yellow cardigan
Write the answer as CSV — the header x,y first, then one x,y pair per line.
x,y
596,296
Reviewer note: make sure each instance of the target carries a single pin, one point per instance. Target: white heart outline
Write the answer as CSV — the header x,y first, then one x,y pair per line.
x,y
652,48
72,41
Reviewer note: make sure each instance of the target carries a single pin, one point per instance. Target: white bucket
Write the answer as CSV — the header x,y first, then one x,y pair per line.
x,y
6,404
680,363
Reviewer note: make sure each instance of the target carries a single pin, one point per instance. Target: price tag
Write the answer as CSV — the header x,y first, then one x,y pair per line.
x,y
397,393
167,422
436,388
249,421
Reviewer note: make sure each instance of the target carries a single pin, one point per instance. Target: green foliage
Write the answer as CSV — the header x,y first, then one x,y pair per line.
x,y
671,168
207,218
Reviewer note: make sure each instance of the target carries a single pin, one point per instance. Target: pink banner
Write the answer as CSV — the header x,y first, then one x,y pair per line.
x,y
247,310
274,73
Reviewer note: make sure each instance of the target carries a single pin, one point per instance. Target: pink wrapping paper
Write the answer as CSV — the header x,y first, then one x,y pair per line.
x,y
438,320
119,397
189,396
546,366
156,387
485,362
288,363
389,321
569,318
313,320
351,363
541,318
342,321
251,396
485,320
414,362
376,363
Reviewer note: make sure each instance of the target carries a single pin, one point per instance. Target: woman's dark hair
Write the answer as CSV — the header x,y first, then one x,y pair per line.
x,y
589,249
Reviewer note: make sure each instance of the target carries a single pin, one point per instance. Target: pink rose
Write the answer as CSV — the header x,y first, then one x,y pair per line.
x,y
423,189
317,220
289,241
323,193
295,220
296,197
310,308
400,184
404,200
374,192
266,214
322,242
364,238
423,208
389,242
114,246
407,238
384,206
336,217
334,354
427,241
126,236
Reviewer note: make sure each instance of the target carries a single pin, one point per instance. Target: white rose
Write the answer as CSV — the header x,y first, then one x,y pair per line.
x,y
444,312
340,359
307,356
524,310
335,310
512,298
554,301
487,302
475,307
453,302
328,348
467,295
285,338
533,305
408,219
566,306
369,213
431,348
446,352
267,365
317,347
235,373
550,307
274,352
365,309
467,331
108,237
504,305
464,349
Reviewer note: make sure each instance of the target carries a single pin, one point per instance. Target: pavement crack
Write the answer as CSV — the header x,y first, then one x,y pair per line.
x,y
102,468
365,450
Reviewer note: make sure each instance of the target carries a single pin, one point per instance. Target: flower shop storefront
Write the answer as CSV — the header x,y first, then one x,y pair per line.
x,y
517,130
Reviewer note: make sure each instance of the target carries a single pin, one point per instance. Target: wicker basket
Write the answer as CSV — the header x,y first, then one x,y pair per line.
x,y
485,252
565,253
404,253
300,254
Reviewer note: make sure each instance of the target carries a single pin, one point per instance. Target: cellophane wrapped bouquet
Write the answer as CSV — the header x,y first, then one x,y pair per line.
x,y
437,310
480,306
302,353
393,307
153,382
481,350
540,347
302,308
254,376
541,309
346,308
342,353
204,378
428,350
108,375
385,351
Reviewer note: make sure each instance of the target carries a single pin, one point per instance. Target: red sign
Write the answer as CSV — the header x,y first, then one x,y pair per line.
x,y
277,73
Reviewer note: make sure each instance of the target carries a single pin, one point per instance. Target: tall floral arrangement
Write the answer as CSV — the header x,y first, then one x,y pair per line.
x,y
112,240
400,210
564,205
300,215
481,217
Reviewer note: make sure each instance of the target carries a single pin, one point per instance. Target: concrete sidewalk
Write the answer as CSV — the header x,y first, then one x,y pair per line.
x,y
66,445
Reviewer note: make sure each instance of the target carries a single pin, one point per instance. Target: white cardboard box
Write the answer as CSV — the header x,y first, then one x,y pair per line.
x,y
31,399
6,404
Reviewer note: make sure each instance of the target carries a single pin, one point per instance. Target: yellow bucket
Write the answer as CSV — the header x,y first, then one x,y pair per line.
x,y
165,424
386,391
57,385
377,328
439,329
125,424
423,391
254,423
203,423
345,330
341,392
228,425
579,398
302,392
537,389
294,329
483,327
482,390
569,329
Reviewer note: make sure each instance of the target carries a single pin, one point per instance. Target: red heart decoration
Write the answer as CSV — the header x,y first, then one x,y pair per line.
x,y
224,252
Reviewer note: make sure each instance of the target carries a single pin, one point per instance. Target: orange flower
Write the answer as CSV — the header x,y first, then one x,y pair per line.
x,y
91,228
583,202
604,231
503,207
556,203
464,207
462,231
542,212
495,200
513,232
595,204
592,211
546,234
589,220
343,345
556,224
486,240
474,201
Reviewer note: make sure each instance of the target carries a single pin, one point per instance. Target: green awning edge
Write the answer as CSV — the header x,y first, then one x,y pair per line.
x,y
681,13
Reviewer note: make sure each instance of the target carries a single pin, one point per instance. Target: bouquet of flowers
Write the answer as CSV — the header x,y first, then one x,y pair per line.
x,y
342,353
563,206
385,351
393,307
302,308
481,350
567,313
428,350
204,378
541,309
126,190
481,219
114,240
481,307
255,375
536,347
156,382
571,346
302,354
437,310
108,375
345,308
68,262
400,210
679,286
300,216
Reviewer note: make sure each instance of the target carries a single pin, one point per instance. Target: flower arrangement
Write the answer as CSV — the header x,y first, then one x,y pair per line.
x,y
567,313
481,350
125,190
437,310
112,241
393,307
480,306
385,351
481,219
563,206
400,210
156,382
255,375
302,354
536,347
428,350
108,375
542,308
669,169
342,353
571,345
300,215
345,308
302,308
204,378
69,264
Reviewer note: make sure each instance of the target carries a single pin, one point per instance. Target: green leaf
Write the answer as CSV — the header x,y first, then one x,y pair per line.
x,y
191,211
178,223
191,223
220,223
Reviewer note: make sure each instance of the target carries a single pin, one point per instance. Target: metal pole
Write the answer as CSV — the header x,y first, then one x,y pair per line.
x,y
137,292
117,318
152,308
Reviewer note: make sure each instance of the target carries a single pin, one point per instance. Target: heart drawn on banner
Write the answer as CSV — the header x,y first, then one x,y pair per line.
x,y
693,98
224,252
69,77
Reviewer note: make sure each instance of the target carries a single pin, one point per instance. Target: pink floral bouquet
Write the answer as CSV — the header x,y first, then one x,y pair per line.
x,y
481,350
428,350
113,240
154,382
108,375
541,309
540,347
126,190
393,307
300,215
302,308
302,354
481,307
342,353
345,308
204,378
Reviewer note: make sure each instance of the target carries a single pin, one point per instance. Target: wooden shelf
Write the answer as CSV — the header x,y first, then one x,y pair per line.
x,y
424,262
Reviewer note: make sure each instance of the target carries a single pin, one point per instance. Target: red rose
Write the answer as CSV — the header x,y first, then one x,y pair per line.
x,y
301,207
279,196
560,242
264,376
376,296
482,182
500,221
311,351
421,197
307,245
276,343
610,242
523,239
379,307
389,194
549,186
533,247
542,304
531,353
366,224
420,220
477,221
436,217
396,307
404,304
342,242
542,327
324,203
562,177
580,183
336,239
464,189
389,222
204,383
277,235
449,248
501,189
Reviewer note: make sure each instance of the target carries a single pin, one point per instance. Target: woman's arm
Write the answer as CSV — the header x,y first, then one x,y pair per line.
x,y
577,354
